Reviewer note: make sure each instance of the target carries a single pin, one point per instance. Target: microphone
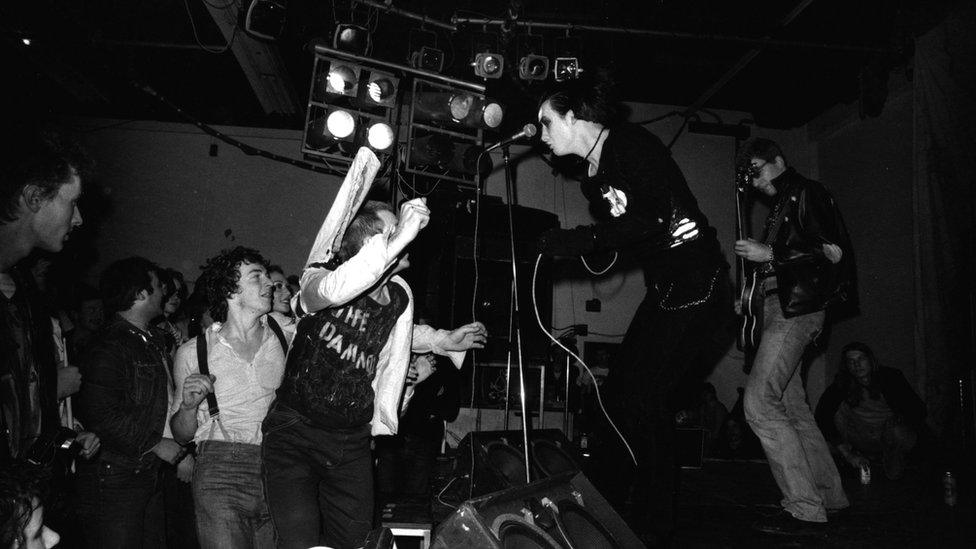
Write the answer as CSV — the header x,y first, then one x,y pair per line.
x,y
528,131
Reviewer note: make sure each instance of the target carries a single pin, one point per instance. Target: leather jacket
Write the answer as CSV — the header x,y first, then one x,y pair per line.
x,y
806,280
661,225
125,396
15,438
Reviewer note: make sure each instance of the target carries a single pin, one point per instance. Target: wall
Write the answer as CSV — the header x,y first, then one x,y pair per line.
x,y
174,203
867,164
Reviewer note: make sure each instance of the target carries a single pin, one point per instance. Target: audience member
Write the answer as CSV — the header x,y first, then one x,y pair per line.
x,y
227,378
170,322
281,306
870,411
22,495
88,318
405,461
125,398
40,183
345,378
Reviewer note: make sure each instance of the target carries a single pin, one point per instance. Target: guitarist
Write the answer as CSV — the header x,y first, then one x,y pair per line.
x,y
808,267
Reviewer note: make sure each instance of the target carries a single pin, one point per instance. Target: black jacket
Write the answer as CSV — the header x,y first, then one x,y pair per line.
x,y
807,281
124,398
898,394
634,161
15,441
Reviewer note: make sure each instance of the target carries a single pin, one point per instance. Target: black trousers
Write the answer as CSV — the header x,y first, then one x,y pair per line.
x,y
668,343
319,482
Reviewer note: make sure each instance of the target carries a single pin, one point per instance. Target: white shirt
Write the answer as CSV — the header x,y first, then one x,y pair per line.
x,y
244,390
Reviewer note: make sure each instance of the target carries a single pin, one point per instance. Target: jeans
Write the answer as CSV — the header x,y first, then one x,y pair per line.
x,y
119,503
319,481
776,408
228,497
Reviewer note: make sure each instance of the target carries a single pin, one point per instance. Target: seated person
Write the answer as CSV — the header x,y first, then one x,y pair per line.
x,y
22,509
870,410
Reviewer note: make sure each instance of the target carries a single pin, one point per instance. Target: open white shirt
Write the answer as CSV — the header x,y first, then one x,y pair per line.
x,y
244,390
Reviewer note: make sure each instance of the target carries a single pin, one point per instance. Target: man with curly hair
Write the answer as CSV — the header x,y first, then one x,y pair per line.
x,y
22,492
346,378
226,379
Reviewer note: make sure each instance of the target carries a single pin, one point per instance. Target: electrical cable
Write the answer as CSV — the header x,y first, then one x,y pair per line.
x,y
596,386
193,26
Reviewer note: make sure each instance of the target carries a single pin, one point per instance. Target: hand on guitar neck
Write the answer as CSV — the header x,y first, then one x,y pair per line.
x,y
754,251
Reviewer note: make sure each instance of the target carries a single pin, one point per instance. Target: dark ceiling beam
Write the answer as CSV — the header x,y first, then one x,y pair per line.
x,y
424,20
261,63
744,60
676,35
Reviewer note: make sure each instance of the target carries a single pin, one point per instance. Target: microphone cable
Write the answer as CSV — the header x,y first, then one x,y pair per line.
x,y
596,386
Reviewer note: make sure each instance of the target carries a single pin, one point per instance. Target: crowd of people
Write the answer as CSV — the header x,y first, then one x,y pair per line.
x,y
219,419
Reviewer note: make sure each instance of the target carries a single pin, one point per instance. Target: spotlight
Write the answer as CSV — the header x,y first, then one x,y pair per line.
x,y
534,67
460,106
427,58
491,115
464,108
488,65
351,38
566,68
382,89
340,124
380,136
343,80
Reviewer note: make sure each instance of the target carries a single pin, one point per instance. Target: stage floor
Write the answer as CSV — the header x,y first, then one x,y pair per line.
x,y
720,501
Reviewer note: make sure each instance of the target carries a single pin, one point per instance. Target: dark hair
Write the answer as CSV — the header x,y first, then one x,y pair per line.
x,y
36,156
22,489
846,381
221,275
275,269
366,224
123,280
590,98
758,147
169,279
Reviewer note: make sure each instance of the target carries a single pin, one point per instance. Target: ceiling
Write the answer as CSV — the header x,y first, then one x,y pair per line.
x,y
91,57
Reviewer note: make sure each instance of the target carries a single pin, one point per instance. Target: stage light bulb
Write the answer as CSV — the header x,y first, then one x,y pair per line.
x,y
341,79
492,65
460,105
380,90
492,115
380,136
340,124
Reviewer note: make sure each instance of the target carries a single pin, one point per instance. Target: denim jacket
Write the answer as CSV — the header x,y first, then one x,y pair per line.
x,y
124,396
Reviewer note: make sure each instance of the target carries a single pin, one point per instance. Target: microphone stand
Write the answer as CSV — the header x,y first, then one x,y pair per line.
x,y
510,197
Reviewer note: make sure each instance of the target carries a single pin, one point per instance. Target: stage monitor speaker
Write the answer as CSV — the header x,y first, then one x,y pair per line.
x,y
561,512
488,461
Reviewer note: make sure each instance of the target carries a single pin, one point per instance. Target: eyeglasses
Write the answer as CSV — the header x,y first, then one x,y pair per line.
x,y
754,170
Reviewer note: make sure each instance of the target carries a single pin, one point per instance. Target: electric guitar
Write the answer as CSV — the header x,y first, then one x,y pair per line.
x,y
751,294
